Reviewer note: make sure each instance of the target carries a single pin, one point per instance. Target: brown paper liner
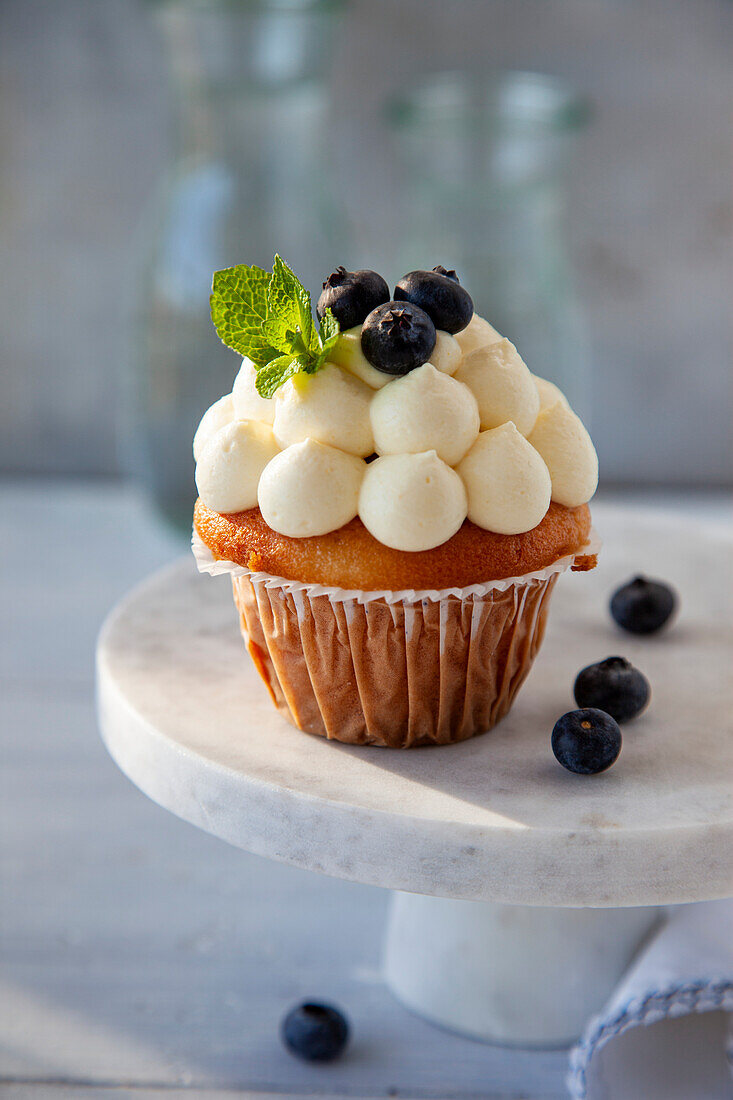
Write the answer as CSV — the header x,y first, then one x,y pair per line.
x,y
397,674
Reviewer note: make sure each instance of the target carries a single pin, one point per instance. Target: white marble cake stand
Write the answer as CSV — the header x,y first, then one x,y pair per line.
x,y
522,891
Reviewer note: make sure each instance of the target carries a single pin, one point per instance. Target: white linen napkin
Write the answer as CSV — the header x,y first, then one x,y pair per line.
x,y
685,970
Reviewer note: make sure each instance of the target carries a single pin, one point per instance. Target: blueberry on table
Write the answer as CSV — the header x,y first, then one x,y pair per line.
x,y
586,741
315,1032
351,295
441,296
642,606
397,337
614,686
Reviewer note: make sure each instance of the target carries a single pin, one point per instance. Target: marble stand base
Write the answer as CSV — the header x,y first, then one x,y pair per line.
x,y
514,974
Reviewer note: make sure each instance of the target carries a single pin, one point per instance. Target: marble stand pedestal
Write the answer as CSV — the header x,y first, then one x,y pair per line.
x,y
513,974
538,885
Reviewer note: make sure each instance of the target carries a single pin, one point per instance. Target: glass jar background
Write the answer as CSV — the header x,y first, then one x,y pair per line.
x,y
484,159
249,177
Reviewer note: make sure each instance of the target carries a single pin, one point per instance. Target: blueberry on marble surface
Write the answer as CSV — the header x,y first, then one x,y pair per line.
x,y
352,295
315,1032
397,337
586,741
614,686
643,606
441,296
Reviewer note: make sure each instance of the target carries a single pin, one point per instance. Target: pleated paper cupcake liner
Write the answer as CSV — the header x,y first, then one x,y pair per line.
x,y
395,669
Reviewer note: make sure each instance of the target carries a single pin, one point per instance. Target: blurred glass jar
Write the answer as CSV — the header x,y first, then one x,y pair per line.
x,y
484,161
249,178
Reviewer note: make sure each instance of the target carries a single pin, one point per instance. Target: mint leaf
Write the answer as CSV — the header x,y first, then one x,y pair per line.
x,y
329,328
267,317
271,377
289,324
325,339
239,309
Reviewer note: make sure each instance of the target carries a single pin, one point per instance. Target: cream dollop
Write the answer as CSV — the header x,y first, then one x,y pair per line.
x,y
215,417
425,410
478,333
446,355
310,489
412,501
348,354
229,468
549,392
330,406
248,405
507,483
502,385
562,440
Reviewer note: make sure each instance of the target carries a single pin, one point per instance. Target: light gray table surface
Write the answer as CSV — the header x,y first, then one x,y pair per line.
x,y
141,957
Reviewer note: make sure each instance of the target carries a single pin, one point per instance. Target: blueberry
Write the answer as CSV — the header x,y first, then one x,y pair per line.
x,y
315,1032
397,337
586,741
351,295
613,685
441,296
642,606
448,274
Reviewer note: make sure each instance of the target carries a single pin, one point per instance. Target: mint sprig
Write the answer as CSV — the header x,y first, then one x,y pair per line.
x,y
266,316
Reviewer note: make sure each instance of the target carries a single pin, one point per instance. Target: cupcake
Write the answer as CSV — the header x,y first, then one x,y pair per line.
x,y
394,496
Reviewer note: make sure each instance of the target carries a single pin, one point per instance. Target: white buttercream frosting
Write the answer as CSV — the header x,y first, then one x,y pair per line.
x,y
310,489
229,466
446,355
478,333
562,440
507,483
248,405
470,433
348,354
549,392
412,501
425,410
330,406
502,385
215,417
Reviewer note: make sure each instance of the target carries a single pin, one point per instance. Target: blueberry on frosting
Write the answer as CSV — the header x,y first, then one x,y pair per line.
x,y
352,295
440,295
440,270
397,337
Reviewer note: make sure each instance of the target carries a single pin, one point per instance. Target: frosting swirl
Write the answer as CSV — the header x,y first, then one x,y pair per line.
x,y
229,468
412,501
502,386
331,407
216,416
425,410
248,405
310,488
561,439
507,483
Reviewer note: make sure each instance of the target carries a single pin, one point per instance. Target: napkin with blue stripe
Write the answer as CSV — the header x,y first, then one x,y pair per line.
x,y
666,1032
